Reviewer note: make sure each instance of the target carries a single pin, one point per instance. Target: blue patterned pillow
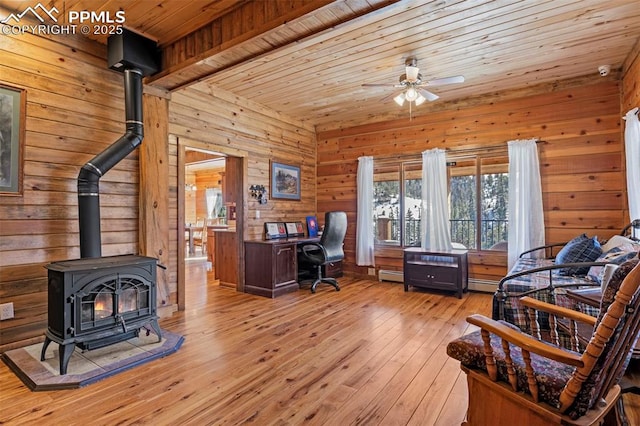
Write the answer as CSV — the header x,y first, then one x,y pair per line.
x,y
617,255
580,249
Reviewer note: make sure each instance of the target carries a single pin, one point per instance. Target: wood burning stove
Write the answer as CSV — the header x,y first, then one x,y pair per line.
x,y
98,302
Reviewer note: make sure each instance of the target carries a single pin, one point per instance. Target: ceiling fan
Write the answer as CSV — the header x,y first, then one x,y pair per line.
x,y
413,87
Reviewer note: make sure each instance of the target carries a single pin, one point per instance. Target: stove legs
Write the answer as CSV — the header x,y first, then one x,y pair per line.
x,y
64,352
65,355
156,328
45,345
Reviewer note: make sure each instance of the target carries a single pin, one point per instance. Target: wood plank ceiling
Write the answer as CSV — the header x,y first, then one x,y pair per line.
x,y
309,58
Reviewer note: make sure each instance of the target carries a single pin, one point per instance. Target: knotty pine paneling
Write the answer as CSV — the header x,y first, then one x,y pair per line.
x,y
75,109
580,155
206,179
219,118
630,96
631,80
220,121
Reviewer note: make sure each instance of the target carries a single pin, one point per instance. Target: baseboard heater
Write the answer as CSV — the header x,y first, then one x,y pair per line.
x,y
386,275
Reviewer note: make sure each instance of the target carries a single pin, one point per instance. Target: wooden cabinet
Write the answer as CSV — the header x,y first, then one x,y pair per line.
x,y
211,246
439,270
271,267
211,241
226,258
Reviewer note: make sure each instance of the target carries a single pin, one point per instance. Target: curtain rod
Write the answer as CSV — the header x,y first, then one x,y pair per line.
x,y
451,151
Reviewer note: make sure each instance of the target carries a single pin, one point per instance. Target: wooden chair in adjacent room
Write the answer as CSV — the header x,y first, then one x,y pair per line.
x,y
515,378
200,236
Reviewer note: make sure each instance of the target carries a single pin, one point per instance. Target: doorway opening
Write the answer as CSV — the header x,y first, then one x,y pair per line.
x,y
210,220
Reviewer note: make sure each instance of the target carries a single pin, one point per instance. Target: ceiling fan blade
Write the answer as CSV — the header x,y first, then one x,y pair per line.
x,y
428,95
389,96
378,85
445,80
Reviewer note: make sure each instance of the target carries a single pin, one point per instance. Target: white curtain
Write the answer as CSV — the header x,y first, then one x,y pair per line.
x,y
526,217
214,202
632,152
364,230
436,234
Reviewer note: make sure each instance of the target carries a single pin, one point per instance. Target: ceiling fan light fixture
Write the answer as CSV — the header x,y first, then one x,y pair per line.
x,y
412,73
411,94
413,86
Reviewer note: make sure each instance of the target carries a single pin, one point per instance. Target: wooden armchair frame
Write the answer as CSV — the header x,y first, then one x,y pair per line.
x,y
510,405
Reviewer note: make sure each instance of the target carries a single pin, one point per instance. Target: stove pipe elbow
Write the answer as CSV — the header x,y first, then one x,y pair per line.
x,y
92,171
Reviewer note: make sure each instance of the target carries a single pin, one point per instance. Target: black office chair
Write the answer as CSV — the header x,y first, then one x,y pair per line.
x,y
328,250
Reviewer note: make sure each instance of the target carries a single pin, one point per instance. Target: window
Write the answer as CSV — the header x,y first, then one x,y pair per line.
x,y
478,194
397,199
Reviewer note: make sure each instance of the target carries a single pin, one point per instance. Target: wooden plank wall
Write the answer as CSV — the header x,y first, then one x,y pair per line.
x,y
75,109
581,160
205,179
631,80
190,197
630,94
220,119
71,117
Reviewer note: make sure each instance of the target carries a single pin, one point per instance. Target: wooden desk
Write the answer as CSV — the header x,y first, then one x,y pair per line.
x,y
271,266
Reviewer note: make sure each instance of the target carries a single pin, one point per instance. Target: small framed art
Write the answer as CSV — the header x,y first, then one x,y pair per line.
x,y
273,230
295,229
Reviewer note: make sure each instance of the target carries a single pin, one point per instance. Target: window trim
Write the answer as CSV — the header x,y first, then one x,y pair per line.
x,y
478,155
452,155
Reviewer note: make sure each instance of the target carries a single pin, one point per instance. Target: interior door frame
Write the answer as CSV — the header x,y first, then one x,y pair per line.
x,y
241,207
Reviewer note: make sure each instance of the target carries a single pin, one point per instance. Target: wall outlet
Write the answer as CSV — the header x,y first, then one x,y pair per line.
x,y
372,271
6,311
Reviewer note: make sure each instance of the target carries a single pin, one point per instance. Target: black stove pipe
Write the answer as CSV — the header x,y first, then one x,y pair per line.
x,y
91,172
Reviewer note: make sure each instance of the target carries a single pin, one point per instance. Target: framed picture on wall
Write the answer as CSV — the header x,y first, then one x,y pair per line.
x,y
285,181
13,101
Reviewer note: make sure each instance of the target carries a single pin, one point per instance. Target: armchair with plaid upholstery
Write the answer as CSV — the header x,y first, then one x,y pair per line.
x,y
515,378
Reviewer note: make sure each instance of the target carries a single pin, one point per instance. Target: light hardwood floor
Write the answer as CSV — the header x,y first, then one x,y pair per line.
x,y
370,354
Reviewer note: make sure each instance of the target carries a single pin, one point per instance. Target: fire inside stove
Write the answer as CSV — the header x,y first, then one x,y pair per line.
x,y
109,300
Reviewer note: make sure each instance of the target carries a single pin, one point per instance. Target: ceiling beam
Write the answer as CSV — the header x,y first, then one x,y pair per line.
x,y
251,30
